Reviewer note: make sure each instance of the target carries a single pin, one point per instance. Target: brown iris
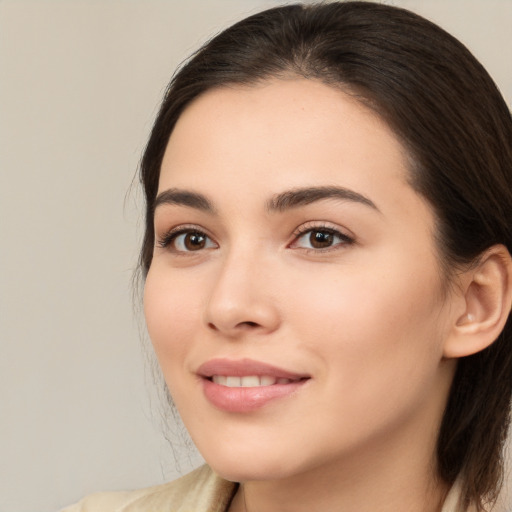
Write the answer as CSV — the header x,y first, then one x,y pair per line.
x,y
321,239
194,241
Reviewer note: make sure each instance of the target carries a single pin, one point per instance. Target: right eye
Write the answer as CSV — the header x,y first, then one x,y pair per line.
x,y
187,240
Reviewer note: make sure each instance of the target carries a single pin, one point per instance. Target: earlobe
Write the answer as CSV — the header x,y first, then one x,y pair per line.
x,y
487,300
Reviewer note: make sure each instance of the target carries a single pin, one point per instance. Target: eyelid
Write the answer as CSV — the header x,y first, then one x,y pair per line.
x,y
164,241
311,226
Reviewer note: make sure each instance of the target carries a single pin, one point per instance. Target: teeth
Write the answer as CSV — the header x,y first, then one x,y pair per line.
x,y
233,382
223,380
267,381
220,379
249,381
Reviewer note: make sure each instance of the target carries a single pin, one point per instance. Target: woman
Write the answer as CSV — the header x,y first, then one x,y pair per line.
x,y
327,267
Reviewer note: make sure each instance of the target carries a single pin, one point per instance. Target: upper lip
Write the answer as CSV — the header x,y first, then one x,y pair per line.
x,y
245,367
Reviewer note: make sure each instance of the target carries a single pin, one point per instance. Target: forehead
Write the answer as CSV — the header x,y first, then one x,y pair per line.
x,y
281,133
306,108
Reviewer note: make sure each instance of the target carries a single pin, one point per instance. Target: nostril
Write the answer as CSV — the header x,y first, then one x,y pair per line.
x,y
239,326
248,324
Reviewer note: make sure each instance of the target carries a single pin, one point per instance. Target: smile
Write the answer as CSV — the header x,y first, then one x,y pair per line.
x,y
249,381
243,386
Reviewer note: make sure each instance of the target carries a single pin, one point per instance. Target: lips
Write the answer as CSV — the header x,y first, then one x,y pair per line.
x,y
246,385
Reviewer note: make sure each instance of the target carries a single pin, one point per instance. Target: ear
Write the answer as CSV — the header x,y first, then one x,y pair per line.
x,y
486,303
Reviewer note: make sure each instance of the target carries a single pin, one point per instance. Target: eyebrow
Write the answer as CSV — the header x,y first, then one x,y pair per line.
x,y
303,196
281,202
184,198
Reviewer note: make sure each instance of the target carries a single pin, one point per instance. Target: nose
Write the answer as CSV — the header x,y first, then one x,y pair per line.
x,y
242,298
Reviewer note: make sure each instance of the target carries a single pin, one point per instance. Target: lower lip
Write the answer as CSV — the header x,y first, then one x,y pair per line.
x,y
247,399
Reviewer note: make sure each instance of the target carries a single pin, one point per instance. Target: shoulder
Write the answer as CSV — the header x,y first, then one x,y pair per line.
x,y
199,491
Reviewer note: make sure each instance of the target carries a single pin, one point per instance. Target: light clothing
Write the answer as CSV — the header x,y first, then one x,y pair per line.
x,y
199,491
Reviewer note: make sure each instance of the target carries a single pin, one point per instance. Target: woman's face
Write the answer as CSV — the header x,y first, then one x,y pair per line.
x,y
294,300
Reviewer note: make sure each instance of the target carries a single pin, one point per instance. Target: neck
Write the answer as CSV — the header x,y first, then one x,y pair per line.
x,y
354,494
386,485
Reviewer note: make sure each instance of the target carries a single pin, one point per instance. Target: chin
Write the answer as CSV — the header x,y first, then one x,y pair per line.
x,y
242,471
252,463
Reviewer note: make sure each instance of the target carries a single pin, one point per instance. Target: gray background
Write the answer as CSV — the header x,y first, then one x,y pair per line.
x,y
80,83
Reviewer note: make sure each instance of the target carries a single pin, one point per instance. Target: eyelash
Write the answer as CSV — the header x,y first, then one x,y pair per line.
x,y
321,228
170,237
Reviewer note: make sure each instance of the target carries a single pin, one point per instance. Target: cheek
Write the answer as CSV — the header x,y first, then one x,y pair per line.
x,y
171,315
363,299
378,355
375,329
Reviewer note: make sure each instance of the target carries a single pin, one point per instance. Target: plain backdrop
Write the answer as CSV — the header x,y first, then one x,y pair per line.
x,y
80,81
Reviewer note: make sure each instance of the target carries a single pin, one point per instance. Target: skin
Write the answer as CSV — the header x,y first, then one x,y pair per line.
x,y
366,319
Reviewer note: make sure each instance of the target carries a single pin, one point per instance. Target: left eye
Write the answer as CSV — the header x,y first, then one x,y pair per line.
x,y
190,241
320,239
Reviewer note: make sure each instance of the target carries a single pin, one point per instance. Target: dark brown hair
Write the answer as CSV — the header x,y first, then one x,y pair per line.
x,y
457,129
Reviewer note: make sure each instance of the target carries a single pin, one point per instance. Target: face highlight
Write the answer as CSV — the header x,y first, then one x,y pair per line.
x,y
294,299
